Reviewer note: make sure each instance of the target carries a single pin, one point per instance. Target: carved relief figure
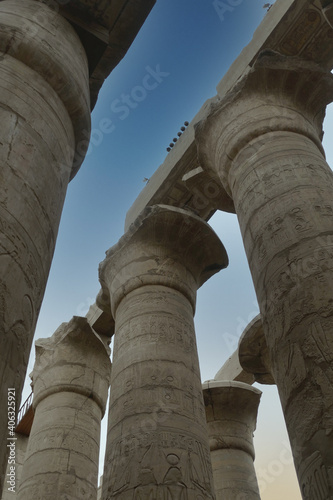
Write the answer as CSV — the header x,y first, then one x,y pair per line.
x,y
174,481
315,486
147,490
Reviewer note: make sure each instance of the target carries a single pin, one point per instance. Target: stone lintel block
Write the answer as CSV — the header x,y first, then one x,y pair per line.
x,y
208,194
231,414
101,320
279,93
165,246
232,370
253,352
328,10
74,359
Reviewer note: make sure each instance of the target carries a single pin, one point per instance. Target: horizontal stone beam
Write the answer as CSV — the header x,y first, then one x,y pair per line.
x,y
100,321
232,370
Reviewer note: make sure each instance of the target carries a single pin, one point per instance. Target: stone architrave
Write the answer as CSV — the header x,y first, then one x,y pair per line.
x,y
70,382
231,413
264,142
327,6
232,370
45,118
157,445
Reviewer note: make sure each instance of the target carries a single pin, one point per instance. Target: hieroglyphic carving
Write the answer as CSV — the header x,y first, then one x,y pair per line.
x,y
158,390
300,33
185,471
288,172
319,48
156,328
70,383
314,480
16,324
275,189
147,489
16,243
292,366
318,345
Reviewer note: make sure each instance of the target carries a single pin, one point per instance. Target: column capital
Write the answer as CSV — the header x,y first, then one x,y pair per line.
x,y
74,359
165,246
253,352
278,94
234,404
40,38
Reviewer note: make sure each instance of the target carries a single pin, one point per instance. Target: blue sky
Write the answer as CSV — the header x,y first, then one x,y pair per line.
x,y
190,47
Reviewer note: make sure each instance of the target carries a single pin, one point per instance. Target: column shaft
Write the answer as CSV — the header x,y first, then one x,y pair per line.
x,y
156,420
63,449
288,236
234,475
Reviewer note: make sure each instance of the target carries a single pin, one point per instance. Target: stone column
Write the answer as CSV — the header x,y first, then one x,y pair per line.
x,y
70,381
157,445
264,141
45,117
231,413
14,470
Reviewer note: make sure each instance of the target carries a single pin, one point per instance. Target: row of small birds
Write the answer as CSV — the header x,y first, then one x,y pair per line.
x,y
175,139
171,145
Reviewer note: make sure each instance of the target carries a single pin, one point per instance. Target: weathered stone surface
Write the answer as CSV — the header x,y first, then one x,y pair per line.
x,y
70,381
102,323
157,438
264,141
253,353
44,113
13,476
231,413
43,41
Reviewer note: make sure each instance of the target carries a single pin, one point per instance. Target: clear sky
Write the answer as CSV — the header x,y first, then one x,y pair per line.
x,y
191,47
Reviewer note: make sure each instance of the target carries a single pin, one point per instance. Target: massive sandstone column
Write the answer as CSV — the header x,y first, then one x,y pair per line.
x,y
44,116
70,381
231,413
264,141
157,445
